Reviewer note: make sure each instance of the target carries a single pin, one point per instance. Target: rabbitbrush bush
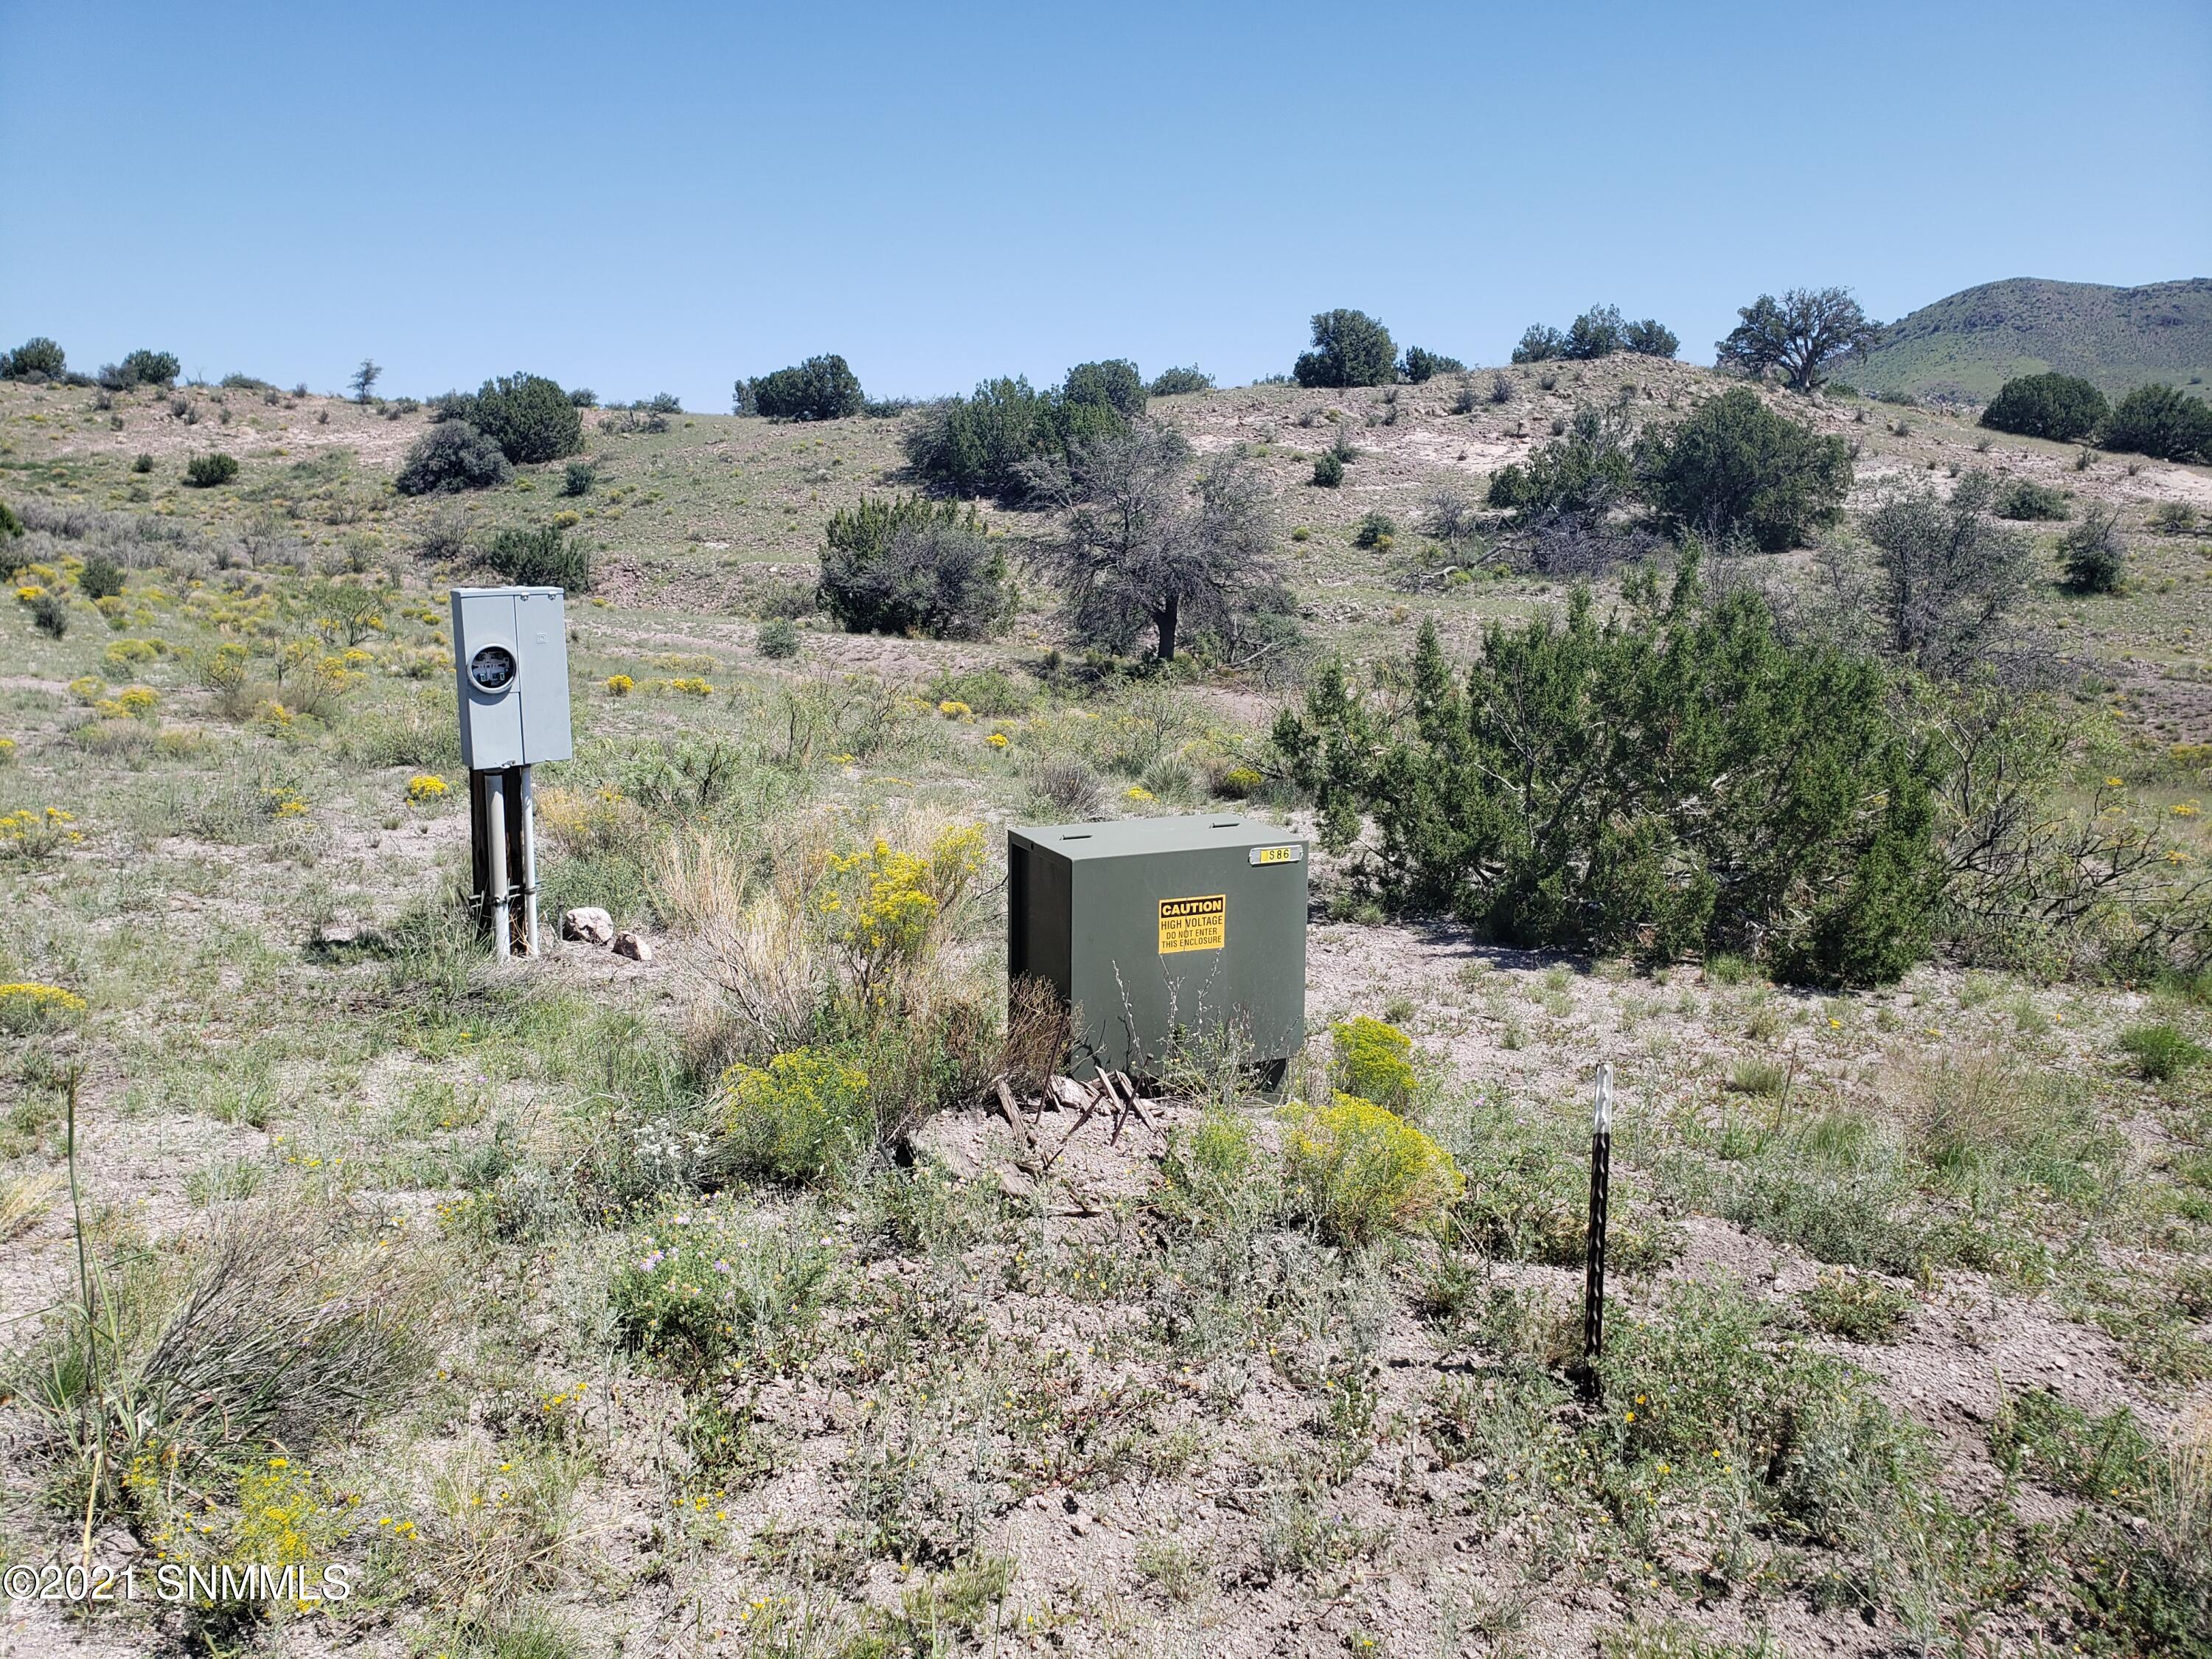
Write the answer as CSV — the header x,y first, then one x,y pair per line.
x,y
1675,779
1357,1170
803,1116
1373,1061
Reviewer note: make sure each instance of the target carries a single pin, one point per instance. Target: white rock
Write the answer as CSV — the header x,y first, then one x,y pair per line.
x,y
588,923
630,946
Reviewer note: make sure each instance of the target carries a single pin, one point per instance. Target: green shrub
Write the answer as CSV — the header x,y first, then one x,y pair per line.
x,y
2160,1052
1357,1170
102,578
778,639
1377,529
1539,344
979,445
1735,467
141,463
1114,384
1419,366
205,471
1854,1308
450,457
1585,472
1373,1061
2062,407
50,615
805,1116
576,480
544,557
711,1288
1598,333
1179,382
1213,1176
36,356
1350,347
1328,470
142,368
2023,499
2093,556
822,388
907,564
10,525
1784,806
2160,422
1650,339
528,416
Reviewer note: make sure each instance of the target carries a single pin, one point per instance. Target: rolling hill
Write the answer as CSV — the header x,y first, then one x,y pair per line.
x,y
2117,339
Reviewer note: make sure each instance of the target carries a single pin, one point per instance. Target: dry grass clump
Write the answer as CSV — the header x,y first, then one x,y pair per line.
x,y
286,1327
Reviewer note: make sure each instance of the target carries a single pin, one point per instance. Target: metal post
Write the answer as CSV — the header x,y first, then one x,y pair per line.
x,y
529,865
1601,1181
495,890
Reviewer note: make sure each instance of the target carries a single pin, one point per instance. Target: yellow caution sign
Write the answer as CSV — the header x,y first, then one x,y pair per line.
x,y
1194,924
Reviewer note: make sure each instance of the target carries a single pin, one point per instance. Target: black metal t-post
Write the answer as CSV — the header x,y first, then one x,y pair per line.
x,y
1600,1180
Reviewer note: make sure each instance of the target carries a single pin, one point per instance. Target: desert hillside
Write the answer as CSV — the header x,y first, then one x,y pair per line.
x,y
1967,345
696,1294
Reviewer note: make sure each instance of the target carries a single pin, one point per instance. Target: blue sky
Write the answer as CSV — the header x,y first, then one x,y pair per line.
x,y
643,197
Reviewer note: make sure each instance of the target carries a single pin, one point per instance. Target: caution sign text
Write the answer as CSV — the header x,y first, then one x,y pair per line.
x,y
1194,924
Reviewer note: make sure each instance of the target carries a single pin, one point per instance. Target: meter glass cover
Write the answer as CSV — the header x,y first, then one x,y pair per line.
x,y
492,668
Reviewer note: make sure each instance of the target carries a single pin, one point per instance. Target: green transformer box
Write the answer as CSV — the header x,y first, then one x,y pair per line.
x,y
1157,931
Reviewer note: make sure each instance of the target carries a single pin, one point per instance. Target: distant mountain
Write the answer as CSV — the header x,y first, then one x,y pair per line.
x,y
2116,338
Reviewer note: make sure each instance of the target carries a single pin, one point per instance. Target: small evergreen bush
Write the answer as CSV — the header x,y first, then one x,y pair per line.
x,y
907,564
544,557
1650,339
50,615
1419,366
778,639
1377,529
1586,472
2094,558
1357,1170
1785,809
529,417
1114,384
1179,382
577,479
1539,344
1598,333
979,445
1350,347
1735,467
37,356
142,368
10,525
2158,422
205,471
102,578
822,388
1328,470
450,457
2061,407
2023,499
1373,1061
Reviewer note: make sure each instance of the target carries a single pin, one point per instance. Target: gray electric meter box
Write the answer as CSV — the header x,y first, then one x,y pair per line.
x,y
1156,930
511,670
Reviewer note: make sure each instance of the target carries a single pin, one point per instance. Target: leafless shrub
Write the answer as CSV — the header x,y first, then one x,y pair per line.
x,y
1068,786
